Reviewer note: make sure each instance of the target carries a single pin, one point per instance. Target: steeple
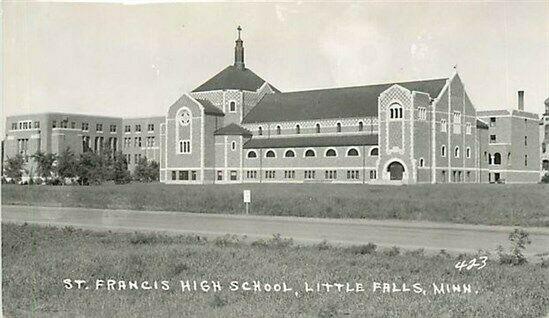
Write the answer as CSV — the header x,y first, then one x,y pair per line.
x,y
239,51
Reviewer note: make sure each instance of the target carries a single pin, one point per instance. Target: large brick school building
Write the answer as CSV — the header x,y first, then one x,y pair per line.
x,y
238,128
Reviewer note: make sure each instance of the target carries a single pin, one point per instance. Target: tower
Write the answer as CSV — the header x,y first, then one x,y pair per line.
x,y
239,51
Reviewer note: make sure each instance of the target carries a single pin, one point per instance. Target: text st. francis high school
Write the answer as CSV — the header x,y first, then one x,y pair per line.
x,y
238,128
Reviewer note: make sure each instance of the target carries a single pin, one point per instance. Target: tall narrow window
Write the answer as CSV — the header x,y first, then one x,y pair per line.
x,y
278,130
232,107
443,151
338,127
297,129
360,126
318,128
260,130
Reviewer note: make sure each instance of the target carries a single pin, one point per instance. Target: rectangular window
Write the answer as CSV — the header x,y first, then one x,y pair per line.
x,y
457,123
251,174
330,174
184,175
138,128
233,175
64,124
13,126
525,140
99,127
422,113
492,121
219,175
174,175
373,174
492,138
54,124
150,127
193,175
85,126
73,125
353,174
112,128
127,128
526,160
443,125
184,146
289,174
36,124
468,128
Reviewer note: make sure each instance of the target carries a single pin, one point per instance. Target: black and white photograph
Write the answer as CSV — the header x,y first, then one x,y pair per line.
x,y
274,159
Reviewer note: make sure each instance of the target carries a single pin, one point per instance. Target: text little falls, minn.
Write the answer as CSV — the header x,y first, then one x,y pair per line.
x,y
257,286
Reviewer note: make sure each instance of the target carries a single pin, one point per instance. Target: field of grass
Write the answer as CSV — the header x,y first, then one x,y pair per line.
x,y
37,259
518,205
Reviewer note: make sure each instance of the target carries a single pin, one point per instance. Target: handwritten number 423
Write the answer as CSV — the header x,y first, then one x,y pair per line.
x,y
479,263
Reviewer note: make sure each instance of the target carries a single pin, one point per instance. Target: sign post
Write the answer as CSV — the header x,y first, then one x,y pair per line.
x,y
247,200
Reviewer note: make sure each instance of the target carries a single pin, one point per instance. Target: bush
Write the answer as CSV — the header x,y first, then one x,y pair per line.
x,y
276,241
545,178
369,248
519,238
393,251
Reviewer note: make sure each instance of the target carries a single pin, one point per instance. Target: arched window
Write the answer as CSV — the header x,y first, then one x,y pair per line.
x,y
310,153
338,127
270,154
443,151
421,162
260,130
395,111
252,154
297,129
232,106
278,130
352,152
456,152
330,153
374,152
318,128
497,158
468,152
360,126
233,145
289,154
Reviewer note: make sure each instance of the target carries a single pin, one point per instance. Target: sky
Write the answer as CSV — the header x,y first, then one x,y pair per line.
x,y
134,60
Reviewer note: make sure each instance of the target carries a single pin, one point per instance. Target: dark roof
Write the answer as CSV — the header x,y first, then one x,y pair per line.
x,y
233,130
233,77
481,124
209,108
324,141
359,101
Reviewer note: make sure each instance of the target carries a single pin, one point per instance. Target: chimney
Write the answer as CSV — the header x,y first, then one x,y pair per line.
x,y
521,100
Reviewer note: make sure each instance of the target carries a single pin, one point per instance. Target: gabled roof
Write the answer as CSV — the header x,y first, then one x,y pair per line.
x,y
358,101
233,130
209,108
233,77
324,141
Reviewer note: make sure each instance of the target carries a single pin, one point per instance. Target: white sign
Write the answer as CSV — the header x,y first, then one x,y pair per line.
x,y
247,196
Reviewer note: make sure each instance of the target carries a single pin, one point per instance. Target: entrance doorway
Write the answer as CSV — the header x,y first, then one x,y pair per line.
x,y
396,170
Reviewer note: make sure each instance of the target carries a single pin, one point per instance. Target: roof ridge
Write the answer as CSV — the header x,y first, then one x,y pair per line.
x,y
361,86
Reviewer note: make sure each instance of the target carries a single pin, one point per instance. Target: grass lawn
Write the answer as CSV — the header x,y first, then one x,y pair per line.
x,y
37,259
518,205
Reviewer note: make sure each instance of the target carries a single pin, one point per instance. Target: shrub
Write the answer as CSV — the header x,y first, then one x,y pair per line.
x,y
369,248
393,251
519,239
324,245
276,241
14,167
545,178
227,240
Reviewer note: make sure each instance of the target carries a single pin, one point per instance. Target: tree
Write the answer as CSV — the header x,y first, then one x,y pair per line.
x,y
14,167
44,164
146,171
120,173
90,168
141,171
66,164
